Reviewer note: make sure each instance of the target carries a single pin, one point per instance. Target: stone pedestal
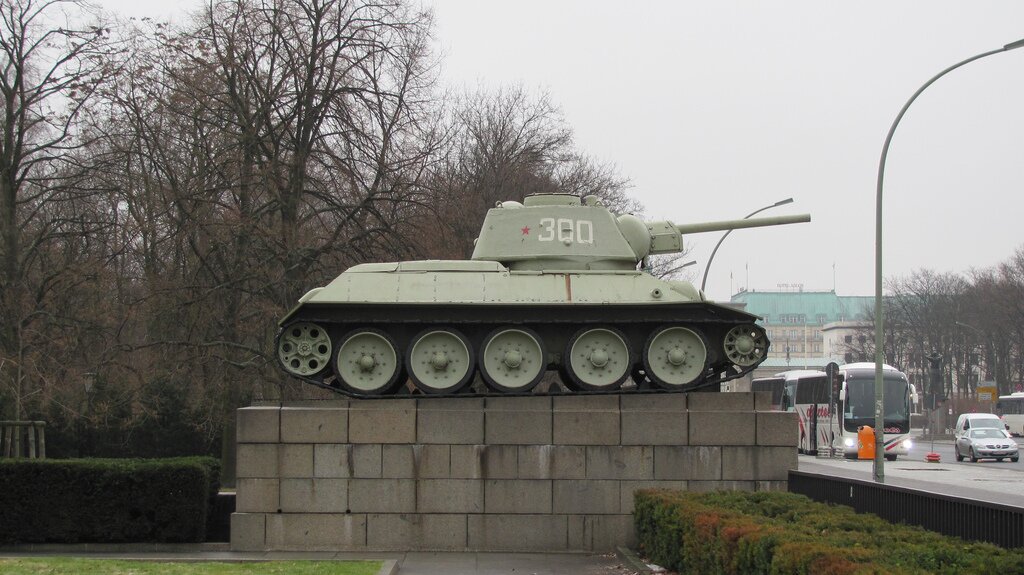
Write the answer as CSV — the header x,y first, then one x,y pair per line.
x,y
491,474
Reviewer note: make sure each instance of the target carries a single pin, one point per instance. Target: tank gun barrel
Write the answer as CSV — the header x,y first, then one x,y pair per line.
x,y
740,224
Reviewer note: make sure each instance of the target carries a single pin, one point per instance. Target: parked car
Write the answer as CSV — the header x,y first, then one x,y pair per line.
x,y
986,443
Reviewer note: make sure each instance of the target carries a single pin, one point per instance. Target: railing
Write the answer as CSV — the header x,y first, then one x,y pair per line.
x,y
23,439
969,519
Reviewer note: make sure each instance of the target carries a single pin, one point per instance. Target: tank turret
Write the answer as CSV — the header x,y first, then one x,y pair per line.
x,y
561,232
552,290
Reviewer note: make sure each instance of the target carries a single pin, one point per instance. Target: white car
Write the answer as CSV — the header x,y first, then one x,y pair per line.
x,y
986,443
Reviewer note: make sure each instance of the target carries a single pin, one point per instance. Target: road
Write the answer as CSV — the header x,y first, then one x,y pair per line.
x,y
986,480
945,450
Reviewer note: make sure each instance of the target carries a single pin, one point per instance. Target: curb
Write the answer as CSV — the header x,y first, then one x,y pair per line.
x,y
629,558
116,548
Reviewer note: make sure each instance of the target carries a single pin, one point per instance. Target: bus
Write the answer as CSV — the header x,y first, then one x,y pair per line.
x,y
1011,409
806,392
773,385
857,407
827,418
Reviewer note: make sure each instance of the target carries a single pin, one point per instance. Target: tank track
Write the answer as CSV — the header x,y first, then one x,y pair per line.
x,y
555,326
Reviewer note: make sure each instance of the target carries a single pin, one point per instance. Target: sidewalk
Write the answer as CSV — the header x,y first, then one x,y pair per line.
x,y
403,563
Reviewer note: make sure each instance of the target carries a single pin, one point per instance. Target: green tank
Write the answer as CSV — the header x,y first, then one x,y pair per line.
x,y
553,286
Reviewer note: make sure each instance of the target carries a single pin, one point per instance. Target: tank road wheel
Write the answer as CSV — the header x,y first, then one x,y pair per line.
x,y
674,357
304,349
512,359
598,359
745,345
367,363
440,360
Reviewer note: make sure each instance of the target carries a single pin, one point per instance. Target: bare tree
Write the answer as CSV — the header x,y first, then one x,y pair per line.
x,y
50,66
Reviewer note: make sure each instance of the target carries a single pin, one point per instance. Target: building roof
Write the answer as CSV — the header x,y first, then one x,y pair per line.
x,y
812,308
796,363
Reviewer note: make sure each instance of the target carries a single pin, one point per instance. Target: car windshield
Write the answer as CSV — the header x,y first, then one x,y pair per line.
x,y
988,433
990,422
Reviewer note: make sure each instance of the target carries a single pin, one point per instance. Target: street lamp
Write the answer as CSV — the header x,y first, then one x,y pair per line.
x,y
704,281
879,470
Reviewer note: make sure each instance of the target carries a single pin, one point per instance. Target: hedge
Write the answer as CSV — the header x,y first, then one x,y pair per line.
x,y
106,500
784,533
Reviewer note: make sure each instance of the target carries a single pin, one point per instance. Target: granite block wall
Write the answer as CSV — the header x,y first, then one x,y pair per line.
x,y
552,473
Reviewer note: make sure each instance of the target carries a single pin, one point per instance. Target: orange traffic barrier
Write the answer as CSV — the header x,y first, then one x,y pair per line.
x,y
932,457
865,442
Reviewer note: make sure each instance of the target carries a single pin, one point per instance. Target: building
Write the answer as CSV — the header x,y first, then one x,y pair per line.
x,y
807,329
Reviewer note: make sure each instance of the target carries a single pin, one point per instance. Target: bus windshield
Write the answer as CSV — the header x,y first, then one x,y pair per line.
x,y
859,407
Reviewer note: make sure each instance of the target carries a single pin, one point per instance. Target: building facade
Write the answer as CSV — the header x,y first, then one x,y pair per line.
x,y
807,329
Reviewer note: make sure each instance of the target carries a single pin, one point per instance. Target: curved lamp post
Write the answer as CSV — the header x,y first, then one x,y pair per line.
x,y
879,470
704,281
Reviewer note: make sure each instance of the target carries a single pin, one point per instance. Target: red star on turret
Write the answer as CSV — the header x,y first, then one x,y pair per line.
x,y
526,231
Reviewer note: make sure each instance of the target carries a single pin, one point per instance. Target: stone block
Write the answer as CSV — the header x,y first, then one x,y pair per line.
x,y
316,532
707,486
382,495
253,495
450,421
258,425
314,425
733,401
367,461
518,532
332,460
296,460
248,532
603,533
314,495
392,421
585,496
423,532
499,461
762,401
466,461
586,420
416,461
628,489
450,496
517,420
654,419
777,428
702,463
620,462
552,462
781,486
748,463
517,496
722,427
257,460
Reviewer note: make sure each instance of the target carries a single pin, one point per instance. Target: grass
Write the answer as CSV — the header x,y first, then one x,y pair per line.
x,y
75,566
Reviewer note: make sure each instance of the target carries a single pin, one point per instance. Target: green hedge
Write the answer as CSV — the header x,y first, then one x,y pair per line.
x,y
783,533
106,500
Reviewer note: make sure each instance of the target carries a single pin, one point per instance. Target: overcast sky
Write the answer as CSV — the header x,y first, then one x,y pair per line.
x,y
714,109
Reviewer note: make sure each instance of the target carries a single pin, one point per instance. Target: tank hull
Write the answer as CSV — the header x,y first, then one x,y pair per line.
x,y
580,313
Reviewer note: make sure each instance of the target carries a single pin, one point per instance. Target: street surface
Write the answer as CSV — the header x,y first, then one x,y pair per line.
x,y
945,450
986,480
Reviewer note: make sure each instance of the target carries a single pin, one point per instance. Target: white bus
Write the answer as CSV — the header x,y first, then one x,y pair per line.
x,y
1011,409
806,392
857,406
829,418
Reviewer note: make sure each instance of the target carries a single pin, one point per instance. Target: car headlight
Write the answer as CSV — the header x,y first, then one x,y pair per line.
x,y
848,442
908,443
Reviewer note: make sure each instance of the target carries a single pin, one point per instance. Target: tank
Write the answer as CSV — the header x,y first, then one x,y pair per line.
x,y
556,284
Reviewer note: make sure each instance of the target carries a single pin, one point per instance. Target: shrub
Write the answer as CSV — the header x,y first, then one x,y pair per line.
x,y
784,533
106,500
